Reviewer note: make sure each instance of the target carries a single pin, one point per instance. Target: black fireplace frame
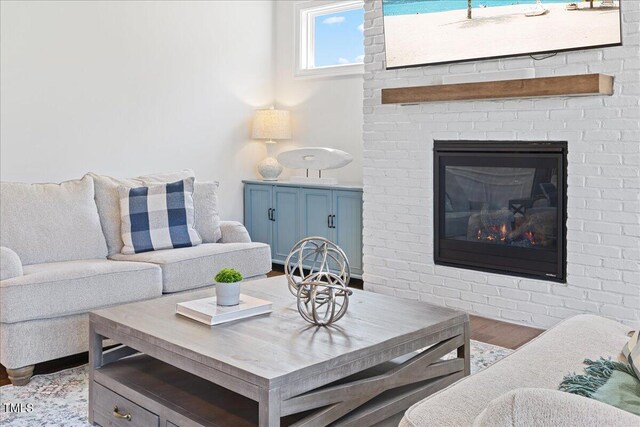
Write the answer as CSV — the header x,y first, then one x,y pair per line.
x,y
545,266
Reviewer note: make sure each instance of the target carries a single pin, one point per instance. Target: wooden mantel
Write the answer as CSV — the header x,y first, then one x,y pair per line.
x,y
576,85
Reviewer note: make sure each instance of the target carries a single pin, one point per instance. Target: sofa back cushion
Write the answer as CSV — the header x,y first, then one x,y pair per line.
x,y
158,217
108,201
51,222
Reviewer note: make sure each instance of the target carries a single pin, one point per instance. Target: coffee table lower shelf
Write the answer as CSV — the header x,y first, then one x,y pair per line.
x,y
143,391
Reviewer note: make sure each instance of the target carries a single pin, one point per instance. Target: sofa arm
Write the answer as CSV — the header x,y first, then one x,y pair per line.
x,y
233,232
544,407
10,264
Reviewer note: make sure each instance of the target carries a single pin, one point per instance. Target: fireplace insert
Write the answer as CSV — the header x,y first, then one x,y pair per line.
x,y
501,207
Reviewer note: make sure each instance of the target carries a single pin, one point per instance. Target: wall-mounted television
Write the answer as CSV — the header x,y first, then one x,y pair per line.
x,y
425,32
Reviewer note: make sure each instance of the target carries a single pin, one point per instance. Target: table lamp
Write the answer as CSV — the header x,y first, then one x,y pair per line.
x,y
269,125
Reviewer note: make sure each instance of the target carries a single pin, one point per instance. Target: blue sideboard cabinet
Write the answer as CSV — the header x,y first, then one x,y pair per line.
x,y
281,214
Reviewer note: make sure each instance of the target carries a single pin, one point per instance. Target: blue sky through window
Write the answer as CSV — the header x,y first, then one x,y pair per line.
x,y
339,38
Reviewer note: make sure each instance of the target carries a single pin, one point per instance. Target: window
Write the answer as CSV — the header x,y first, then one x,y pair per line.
x,y
330,38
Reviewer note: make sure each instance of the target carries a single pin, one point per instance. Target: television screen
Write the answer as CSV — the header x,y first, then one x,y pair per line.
x,y
422,32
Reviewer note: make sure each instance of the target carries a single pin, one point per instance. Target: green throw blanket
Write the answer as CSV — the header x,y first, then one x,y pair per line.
x,y
609,382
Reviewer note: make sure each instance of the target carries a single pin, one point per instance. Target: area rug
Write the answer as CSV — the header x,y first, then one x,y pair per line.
x,y
61,398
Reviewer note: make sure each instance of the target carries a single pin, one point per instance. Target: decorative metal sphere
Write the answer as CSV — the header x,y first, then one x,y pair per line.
x,y
313,256
318,274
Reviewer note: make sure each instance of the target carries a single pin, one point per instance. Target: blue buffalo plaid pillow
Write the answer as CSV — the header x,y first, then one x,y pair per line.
x,y
158,217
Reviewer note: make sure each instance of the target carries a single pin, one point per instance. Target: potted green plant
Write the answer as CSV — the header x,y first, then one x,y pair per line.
x,y
228,286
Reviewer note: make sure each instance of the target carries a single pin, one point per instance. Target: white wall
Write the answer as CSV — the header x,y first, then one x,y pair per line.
x,y
603,238
125,88
326,112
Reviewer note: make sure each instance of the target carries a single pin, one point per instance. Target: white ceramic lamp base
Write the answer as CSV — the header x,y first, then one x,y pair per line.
x,y
269,169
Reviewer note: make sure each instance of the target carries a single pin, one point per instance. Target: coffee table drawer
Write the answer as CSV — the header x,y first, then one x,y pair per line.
x,y
111,409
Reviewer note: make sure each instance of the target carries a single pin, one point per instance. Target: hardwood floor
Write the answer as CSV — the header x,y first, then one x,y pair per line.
x,y
486,330
502,334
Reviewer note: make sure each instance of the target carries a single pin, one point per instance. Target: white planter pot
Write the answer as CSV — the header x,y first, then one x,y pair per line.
x,y
228,293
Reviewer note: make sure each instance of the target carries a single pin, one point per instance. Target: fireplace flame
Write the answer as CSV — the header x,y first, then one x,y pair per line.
x,y
493,233
529,235
503,232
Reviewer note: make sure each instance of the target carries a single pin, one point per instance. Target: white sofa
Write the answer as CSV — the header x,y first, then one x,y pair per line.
x,y
522,389
56,265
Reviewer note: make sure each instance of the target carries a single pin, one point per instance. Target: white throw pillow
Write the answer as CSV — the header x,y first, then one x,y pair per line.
x,y
205,200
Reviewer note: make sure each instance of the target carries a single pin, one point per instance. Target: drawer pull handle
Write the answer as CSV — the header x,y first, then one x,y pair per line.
x,y
117,414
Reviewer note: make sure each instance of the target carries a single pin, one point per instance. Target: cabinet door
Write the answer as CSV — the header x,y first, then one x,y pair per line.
x,y
347,208
286,227
315,208
257,205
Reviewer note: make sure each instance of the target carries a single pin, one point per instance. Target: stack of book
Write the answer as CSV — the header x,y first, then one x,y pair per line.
x,y
206,310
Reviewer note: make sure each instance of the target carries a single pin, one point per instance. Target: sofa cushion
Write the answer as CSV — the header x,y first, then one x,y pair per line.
x,y
195,267
158,217
63,288
541,363
108,201
51,222
537,407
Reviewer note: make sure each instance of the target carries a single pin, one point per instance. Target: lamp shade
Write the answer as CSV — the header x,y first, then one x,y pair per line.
x,y
272,124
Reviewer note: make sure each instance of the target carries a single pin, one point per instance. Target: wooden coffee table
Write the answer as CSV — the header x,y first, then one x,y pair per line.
x,y
274,369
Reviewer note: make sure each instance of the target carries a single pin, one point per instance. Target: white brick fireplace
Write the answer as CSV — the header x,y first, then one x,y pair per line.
x,y
603,227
